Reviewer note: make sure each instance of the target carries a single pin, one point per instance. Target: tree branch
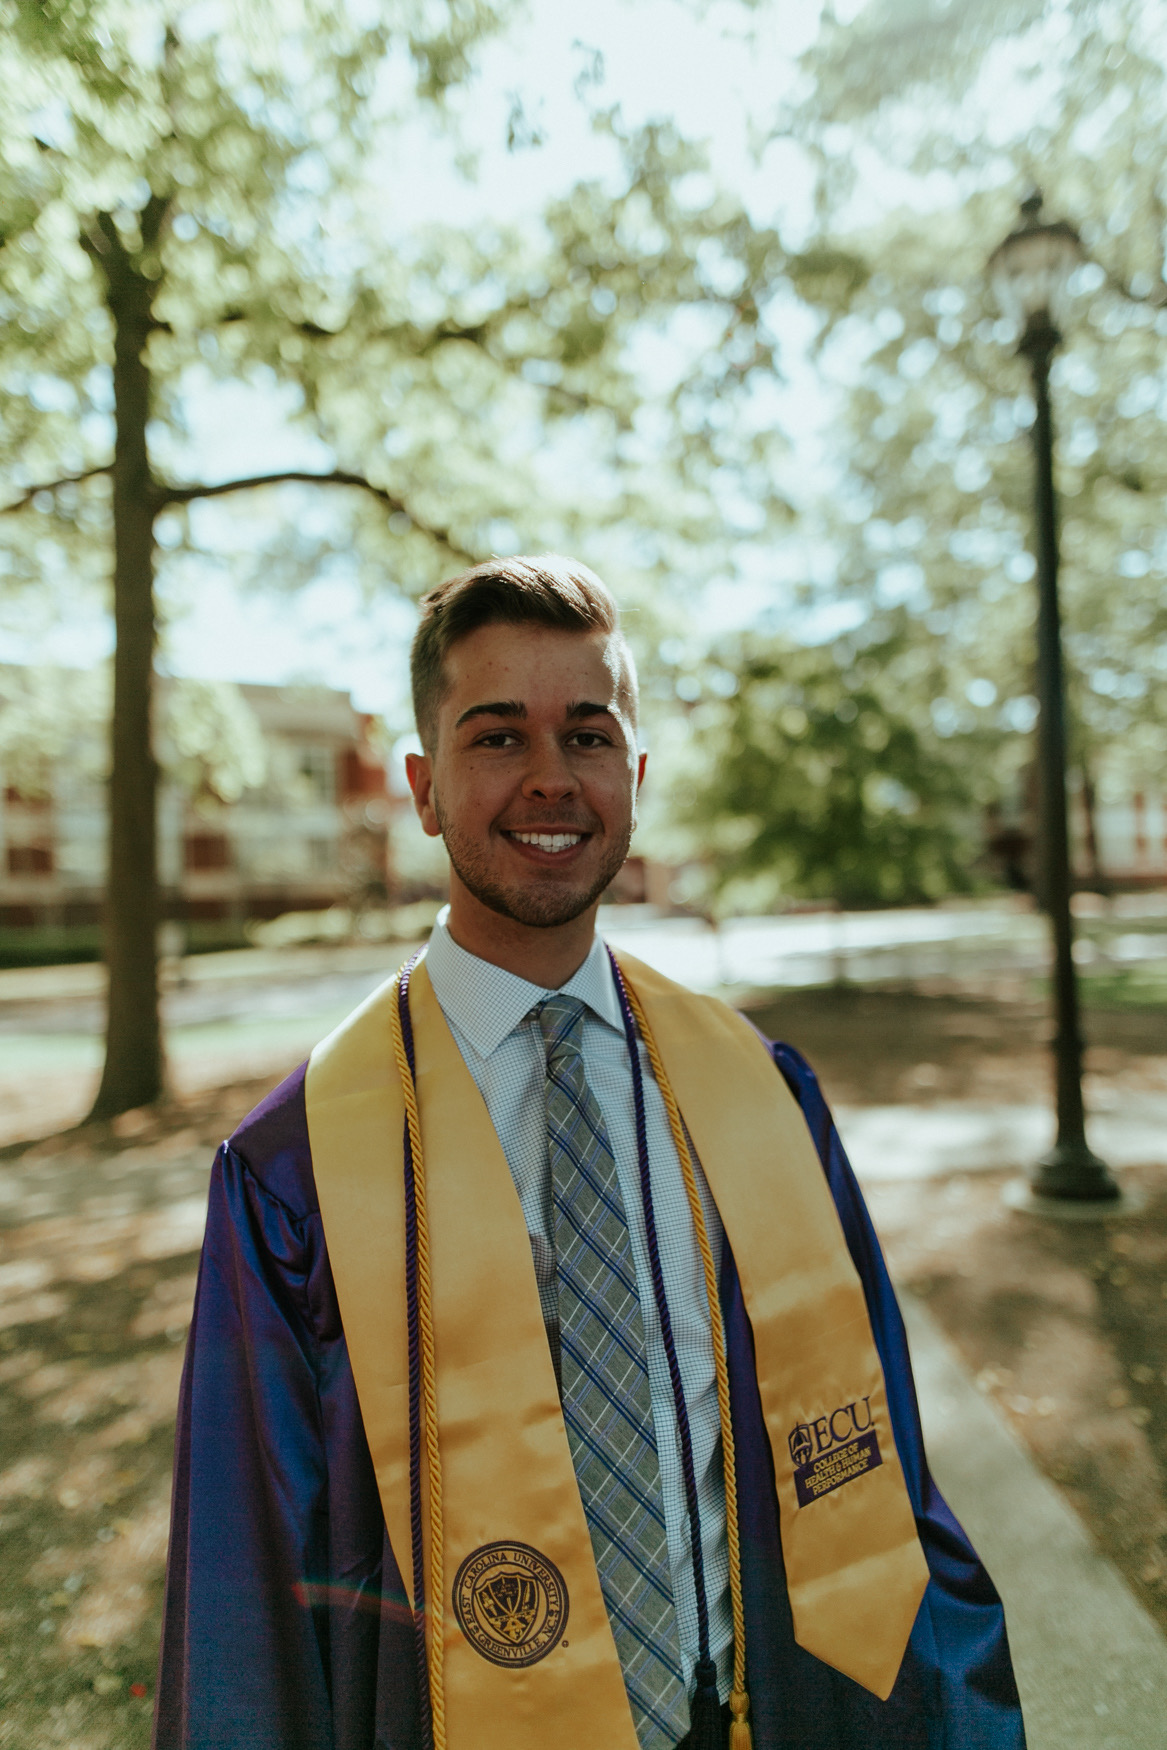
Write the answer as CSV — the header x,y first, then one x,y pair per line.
x,y
421,341
164,495
152,218
339,477
31,492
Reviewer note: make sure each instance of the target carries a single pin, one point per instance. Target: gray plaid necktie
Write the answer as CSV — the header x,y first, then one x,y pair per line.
x,y
606,1403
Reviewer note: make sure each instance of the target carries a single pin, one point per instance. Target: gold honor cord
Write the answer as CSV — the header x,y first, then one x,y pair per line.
x,y
740,1735
425,1320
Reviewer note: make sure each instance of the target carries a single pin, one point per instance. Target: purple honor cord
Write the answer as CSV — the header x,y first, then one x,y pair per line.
x,y
706,1670
414,1340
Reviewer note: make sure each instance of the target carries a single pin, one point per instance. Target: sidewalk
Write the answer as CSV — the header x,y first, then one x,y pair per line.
x,y
1091,1665
959,1136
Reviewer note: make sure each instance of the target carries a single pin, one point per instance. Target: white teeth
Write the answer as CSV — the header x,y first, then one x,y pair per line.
x,y
549,841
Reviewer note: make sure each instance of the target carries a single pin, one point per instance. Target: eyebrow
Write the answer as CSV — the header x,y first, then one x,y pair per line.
x,y
589,708
496,708
516,708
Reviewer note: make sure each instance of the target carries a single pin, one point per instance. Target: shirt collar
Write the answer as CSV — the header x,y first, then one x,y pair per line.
x,y
486,1002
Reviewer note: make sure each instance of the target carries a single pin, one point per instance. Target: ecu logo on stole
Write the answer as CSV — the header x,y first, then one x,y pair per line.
x,y
511,1603
833,1450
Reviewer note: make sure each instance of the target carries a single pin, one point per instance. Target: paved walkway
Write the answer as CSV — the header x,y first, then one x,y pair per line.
x,y
789,950
966,1136
1091,1665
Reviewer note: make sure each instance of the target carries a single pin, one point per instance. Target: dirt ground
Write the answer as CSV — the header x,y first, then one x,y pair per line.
x,y
1065,1326
982,1041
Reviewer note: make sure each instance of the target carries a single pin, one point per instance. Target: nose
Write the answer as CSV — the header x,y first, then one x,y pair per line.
x,y
549,777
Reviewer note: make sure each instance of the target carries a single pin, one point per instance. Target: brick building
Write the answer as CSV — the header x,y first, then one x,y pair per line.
x,y
1118,842
313,833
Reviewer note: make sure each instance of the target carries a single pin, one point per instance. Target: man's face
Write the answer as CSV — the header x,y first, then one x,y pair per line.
x,y
533,777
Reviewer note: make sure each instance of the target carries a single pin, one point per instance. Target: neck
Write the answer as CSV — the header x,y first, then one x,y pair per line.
x,y
547,957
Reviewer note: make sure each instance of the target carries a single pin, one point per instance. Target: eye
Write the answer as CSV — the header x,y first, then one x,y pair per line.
x,y
589,738
497,738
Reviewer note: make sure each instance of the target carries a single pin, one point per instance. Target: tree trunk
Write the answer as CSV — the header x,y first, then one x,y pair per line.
x,y
134,1066
1097,877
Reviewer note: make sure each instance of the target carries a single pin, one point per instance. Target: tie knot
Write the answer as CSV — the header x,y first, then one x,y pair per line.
x,y
561,1021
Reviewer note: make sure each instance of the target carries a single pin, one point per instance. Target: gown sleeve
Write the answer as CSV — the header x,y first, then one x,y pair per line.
x,y
245,1649
959,1644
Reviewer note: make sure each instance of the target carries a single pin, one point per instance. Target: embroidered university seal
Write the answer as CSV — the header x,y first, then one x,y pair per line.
x,y
511,1603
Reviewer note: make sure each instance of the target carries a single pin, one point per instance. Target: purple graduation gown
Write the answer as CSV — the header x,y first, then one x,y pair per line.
x,y
286,1625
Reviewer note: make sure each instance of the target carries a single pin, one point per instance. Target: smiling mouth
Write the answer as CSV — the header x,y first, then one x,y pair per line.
x,y
548,841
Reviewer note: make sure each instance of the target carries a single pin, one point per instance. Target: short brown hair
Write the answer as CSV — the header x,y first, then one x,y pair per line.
x,y
547,590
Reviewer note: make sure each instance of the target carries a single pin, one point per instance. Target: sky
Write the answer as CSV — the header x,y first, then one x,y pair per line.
x,y
717,70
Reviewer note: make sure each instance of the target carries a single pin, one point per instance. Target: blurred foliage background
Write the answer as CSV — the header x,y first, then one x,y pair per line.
x,y
611,377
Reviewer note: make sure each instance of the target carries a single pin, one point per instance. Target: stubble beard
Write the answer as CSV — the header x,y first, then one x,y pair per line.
x,y
540,905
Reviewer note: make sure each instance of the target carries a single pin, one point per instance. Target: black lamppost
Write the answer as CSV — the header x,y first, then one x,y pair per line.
x,y
1030,272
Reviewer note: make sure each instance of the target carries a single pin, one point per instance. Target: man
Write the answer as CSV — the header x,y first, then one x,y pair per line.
x,y
545,1383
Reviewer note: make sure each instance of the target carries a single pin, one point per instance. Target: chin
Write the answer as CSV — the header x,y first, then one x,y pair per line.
x,y
539,911
542,901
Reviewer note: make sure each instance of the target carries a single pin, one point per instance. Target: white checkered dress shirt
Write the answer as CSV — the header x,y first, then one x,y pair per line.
x,y
489,1010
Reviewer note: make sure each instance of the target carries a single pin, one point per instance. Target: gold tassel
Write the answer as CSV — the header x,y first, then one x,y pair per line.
x,y
740,1735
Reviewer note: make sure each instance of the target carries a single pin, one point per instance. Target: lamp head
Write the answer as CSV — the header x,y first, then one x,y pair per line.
x,y
1031,270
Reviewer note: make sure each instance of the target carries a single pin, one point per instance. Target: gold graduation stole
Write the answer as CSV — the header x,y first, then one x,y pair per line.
x,y
527,1651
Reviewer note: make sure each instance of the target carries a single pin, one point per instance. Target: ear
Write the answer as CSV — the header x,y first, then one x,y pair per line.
x,y
420,772
641,761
